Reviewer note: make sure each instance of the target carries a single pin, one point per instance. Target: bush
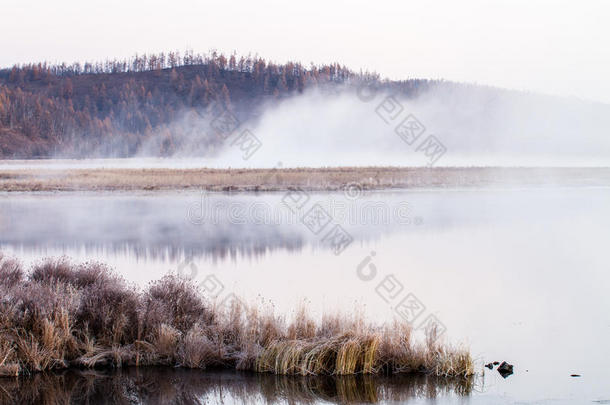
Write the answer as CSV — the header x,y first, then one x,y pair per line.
x,y
10,272
53,271
177,302
66,314
109,311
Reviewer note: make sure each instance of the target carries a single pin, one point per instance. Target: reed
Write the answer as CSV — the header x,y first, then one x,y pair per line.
x,y
258,180
60,315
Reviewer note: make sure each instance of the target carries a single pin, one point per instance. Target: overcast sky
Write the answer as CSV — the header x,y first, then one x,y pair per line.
x,y
550,46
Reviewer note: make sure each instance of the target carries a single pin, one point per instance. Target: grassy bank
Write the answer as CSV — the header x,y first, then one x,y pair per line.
x,y
315,179
60,315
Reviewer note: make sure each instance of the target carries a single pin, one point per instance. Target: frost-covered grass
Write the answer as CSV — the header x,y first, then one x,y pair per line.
x,y
60,315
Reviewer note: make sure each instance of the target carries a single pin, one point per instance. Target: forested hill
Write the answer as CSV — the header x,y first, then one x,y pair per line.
x,y
112,108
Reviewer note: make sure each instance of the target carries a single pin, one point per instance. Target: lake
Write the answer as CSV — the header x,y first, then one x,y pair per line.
x,y
516,274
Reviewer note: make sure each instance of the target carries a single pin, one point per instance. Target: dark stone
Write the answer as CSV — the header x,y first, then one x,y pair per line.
x,y
505,369
489,366
574,375
496,363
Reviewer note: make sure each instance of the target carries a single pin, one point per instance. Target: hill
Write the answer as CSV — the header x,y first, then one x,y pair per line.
x,y
120,108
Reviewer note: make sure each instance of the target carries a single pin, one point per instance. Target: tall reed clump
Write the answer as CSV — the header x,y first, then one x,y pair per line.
x,y
60,315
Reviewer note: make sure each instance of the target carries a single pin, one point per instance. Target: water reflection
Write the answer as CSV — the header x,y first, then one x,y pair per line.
x,y
172,226
219,226
152,385
504,270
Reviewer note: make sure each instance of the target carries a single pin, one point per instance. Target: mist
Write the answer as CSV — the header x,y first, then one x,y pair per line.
x,y
472,125
476,127
344,125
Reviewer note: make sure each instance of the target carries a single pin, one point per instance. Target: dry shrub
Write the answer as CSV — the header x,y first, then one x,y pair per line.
x,y
11,272
48,345
65,314
8,358
196,350
229,332
63,271
34,355
165,343
36,303
9,311
331,325
263,327
260,329
52,271
91,273
397,352
109,311
177,302
302,327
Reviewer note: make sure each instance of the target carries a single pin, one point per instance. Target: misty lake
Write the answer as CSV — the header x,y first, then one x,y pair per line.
x,y
516,274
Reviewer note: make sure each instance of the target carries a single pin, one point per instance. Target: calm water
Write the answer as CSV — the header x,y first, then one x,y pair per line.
x,y
178,386
516,274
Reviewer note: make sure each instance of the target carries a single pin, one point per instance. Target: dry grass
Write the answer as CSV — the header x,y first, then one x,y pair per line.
x,y
283,179
341,355
60,315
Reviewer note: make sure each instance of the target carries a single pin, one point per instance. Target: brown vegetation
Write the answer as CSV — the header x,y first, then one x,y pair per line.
x,y
283,179
115,108
63,315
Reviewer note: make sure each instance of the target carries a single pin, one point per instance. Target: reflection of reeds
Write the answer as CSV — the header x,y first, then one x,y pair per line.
x,y
62,315
162,385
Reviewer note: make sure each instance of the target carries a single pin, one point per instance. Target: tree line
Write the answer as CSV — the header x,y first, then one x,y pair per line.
x,y
114,107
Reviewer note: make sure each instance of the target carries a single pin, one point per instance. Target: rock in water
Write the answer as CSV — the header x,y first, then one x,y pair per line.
x,y
489,365
505,369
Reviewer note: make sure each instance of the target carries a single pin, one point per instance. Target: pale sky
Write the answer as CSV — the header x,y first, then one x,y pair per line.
x,y
555,47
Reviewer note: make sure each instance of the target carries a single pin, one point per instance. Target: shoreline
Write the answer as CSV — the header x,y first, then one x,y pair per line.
x,y
63,315
309,179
